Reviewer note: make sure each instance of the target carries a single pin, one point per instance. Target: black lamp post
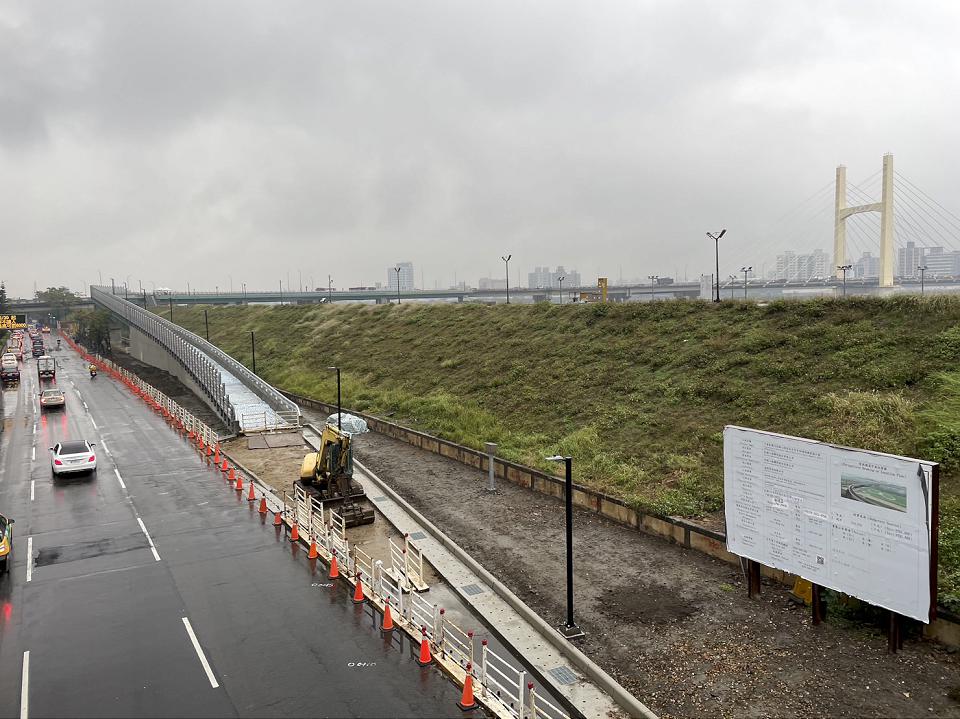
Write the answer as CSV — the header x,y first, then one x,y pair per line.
x,y
570,630
843,269
560,280
746,271
253,351
716,241
329,288
171,307
922,269
339,408
397,270
506,261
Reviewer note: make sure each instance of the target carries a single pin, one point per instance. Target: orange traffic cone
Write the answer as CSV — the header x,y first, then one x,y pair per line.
x,y
467,702
224,466
295,533
358,597
425,657
239,486
313,550
232,474
216,455
334,570
209,450
263,505
251,497
387,620
278,518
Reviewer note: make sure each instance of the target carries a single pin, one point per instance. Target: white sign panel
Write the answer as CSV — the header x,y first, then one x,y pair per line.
x,y
855,521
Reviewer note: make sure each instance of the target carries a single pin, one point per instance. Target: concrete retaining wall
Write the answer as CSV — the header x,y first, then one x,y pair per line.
x,y
679,531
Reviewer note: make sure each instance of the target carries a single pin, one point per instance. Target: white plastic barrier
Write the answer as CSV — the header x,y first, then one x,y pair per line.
x,y
500,678
388,588
363,567
454,642
406,565
422,613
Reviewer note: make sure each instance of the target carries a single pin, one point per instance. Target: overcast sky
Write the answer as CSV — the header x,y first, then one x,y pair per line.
x,y
177,142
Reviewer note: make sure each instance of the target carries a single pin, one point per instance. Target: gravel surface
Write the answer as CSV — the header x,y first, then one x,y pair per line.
x,y
674,626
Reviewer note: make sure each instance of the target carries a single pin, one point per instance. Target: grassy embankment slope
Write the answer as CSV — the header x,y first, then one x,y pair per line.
x,y
638,394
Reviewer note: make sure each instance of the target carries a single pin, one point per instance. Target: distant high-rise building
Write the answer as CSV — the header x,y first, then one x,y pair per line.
x,y
406,276
940,263
543,277
492,283
867,266
909,257
802,267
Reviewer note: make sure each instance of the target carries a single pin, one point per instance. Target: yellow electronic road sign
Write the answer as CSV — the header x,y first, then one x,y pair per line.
x,y
13,322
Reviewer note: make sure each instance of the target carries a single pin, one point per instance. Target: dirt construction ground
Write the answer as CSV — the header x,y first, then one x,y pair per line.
x,y
674,626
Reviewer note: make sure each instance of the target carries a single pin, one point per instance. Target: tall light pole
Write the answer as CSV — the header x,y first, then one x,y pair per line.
x,y
339,407
732,278
506,261
653,284
746,272
843,269
397,270
570,630
922,269
281,293
329,288
244,291
560,280
716,241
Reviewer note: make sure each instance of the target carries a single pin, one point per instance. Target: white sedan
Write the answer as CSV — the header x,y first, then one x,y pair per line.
x,y
73,456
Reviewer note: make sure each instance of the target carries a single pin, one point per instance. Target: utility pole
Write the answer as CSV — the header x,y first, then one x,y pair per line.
x,y
843,269
653,285
716,240
397,270
922,268
746,271
329,288
506,261
560,280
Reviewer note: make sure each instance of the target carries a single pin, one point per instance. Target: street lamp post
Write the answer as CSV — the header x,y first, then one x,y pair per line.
x,y
171,307
506,261
570,630
339,407
244,292
716,241
253,351
653,285
746,272
281,293
397,270
732,278
843,269
560,280
329,288
922,269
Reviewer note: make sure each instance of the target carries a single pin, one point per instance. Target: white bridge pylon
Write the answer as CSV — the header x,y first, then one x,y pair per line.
x,y
884,207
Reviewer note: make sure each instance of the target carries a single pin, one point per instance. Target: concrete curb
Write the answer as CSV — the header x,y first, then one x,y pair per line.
x,y
621,696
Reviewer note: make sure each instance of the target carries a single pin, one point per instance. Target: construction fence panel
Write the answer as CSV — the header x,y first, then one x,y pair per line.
x,y
388,588
422,613
363,566
540,708
500,678
454,642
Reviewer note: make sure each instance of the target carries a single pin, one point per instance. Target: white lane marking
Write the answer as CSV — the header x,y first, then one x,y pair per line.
x,y
199,651
33,484
33,454
104,445
29,558
93,423
79,395
25,687
120,480
88,409
147,535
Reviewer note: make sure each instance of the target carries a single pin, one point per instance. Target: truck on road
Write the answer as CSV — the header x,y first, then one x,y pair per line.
x,y
46,367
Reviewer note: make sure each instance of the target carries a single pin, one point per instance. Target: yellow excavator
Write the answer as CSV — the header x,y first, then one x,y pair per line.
x,y
327,475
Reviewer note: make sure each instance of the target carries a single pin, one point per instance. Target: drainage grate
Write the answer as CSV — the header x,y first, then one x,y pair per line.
x,y
563,675
381,498
418,535
471,589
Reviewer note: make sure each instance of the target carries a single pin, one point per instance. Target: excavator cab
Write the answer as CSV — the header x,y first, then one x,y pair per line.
x,y
327,476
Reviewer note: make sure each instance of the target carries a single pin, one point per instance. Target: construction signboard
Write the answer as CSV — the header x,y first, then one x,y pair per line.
x,y
13,322
859,522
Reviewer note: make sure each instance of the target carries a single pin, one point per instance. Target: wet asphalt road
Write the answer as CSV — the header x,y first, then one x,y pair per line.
x,y
103,619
